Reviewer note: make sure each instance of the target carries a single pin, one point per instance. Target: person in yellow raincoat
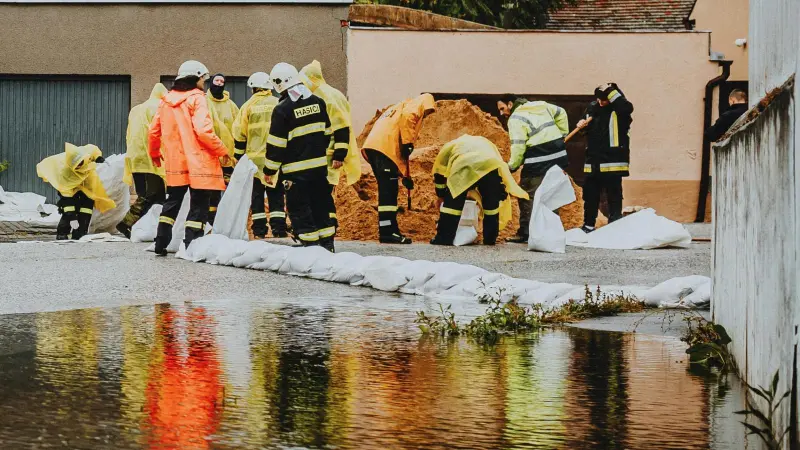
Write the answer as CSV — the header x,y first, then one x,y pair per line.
x,y
250,131
344,140
148,180
387,149
223,112
73,174
473,163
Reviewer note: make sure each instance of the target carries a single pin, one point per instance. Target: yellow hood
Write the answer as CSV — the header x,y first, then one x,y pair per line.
x,y
74,171
313,73
424,102
159,91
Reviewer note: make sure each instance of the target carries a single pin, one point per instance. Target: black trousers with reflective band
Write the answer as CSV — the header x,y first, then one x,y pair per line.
x,y
276,198
258,209
307,201
79,208
150,190
216,196
492,191
332,207
198,214
387,175
593,187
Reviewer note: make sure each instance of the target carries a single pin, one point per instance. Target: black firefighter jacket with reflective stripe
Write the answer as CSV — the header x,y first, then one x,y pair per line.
x,y
298,139
608,140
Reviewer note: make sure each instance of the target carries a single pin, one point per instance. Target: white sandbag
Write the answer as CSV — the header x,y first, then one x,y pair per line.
x,y
641,230
111,172
325,268
272,258
700,298
449,274
417,274
473,287
577,238
227,252
673,290
465,235
517,286
146,228
252,254
27,207
234,207
179,228
379,270
207,248
300,260
469,214
546,232
546,294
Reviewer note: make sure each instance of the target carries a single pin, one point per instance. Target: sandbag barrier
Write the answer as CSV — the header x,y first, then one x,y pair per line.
x,y
445,280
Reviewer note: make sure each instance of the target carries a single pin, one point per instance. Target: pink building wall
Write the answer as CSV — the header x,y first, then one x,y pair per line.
x,y
663,74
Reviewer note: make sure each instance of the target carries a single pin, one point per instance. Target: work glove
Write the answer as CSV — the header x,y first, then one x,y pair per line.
x,y
406,150
408,183
100,160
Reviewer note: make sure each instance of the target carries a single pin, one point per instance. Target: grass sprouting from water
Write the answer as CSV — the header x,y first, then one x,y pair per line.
x,y
509,317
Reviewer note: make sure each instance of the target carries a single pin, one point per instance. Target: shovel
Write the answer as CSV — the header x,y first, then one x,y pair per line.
x,y
575,131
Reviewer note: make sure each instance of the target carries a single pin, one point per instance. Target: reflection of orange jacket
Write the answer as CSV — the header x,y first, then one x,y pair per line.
x,y
400,122
192,149
183,394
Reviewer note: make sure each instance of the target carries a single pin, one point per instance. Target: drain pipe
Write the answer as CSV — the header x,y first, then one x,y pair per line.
x,y
705,177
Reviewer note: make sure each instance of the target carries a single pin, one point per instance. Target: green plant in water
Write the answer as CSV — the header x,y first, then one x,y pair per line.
x,y
707,343
772,437
442,325
594,304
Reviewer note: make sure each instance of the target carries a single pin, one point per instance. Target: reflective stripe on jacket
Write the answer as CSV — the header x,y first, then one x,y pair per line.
x,y
608,143
537,131
252,127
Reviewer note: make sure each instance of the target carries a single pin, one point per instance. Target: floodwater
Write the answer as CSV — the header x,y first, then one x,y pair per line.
x,y
342,373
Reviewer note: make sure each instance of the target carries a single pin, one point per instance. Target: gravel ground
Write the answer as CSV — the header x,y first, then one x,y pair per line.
x,y
47,276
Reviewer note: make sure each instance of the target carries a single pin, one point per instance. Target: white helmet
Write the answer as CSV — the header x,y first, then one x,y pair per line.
x,y
284,76
192,69
259,80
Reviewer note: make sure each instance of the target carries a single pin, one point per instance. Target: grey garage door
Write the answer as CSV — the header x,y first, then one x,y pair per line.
x,y
38,114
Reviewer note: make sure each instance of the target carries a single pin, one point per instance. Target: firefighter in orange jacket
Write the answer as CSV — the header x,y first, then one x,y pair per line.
x,y
387,149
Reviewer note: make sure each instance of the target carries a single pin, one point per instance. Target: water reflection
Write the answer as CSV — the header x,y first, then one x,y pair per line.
x,y
347,375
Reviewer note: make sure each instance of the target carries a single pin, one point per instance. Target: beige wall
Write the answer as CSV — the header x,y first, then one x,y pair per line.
x,y
148,41
663,74
727,20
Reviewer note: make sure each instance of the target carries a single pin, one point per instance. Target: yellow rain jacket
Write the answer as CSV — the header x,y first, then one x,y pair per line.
x,y
137,158
252,126
73,171
466,160
400,122
223,113
339,111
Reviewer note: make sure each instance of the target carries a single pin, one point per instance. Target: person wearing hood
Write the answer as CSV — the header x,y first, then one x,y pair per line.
x,y
387,149
74,175
472,165
147,179
297,147
223,112
250,131
182,138
344,140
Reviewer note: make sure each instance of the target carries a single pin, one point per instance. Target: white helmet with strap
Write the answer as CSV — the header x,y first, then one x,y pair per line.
x,y
284,76
192,69
259,80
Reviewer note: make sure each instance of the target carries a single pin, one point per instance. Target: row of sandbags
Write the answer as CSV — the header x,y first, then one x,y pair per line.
x,y
447,280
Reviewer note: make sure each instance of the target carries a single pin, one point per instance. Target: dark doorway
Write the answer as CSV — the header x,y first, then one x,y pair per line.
x,y
575,105
236,86
725,90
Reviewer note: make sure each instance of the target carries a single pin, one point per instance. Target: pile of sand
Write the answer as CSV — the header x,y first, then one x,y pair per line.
x,y
357,205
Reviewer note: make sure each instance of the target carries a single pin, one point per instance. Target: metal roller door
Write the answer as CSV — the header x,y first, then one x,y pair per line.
x,y
39,113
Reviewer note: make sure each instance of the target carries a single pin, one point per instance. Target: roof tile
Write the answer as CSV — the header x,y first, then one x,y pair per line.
x,y
626,15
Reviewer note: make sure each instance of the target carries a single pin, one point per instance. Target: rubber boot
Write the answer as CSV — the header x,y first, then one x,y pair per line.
x,y
446,229
394,238
83,226
327,244
124,230
163,239
491,228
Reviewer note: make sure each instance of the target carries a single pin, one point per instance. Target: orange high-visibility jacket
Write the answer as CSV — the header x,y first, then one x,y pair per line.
x,y
184,126
401,122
